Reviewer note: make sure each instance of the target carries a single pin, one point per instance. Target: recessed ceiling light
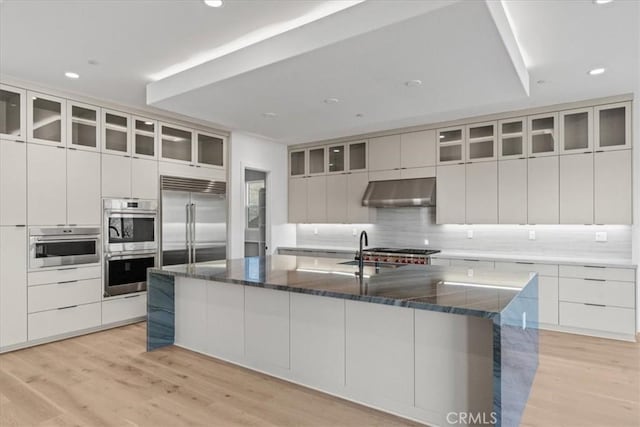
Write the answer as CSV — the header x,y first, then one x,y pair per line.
x,y
602,1
541,82
413,83
213,3
331,101
597,71
71,75
359,115
269,115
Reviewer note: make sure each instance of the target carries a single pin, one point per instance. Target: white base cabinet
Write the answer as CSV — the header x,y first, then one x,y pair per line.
x,y
122,309
13,285
64,320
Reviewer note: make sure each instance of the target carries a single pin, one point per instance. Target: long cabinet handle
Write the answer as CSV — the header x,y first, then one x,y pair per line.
x,y
188,231
593,266
67,307
594,305
132,296
67,281
594,280
525,263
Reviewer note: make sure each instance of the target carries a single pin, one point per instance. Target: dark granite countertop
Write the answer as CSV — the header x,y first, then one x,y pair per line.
x,y
437,288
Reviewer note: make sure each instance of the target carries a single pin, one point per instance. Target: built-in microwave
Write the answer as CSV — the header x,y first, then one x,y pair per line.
x,y
130,225
127,273
59,246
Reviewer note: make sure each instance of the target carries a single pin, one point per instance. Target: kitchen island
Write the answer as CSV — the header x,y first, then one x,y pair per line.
x,y
439,345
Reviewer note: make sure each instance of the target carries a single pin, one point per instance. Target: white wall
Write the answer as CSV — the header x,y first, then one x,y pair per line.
x,y
248,151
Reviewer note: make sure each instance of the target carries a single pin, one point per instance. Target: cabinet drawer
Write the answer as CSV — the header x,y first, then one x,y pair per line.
x,y
471,263
607,292
528,267
595,272
48,297
609,319
121,309
63,275
61,321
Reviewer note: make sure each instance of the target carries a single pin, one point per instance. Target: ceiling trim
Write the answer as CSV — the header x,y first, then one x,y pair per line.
x,y
507,33
353,21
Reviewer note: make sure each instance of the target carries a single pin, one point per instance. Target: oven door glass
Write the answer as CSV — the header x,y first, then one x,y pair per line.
x,y
128,232
65,248
126,274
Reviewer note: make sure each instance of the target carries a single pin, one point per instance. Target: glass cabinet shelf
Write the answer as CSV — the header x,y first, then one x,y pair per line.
x,y
115,133
481,143
451,147
543,135
84,124
512,138
144,137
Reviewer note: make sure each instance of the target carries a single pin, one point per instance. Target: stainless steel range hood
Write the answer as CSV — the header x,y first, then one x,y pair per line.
x,y
400,193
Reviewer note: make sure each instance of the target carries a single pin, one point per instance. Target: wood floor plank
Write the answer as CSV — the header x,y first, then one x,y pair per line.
x,y
108,379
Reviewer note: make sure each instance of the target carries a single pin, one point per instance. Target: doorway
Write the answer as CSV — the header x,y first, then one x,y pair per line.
x,y
255,235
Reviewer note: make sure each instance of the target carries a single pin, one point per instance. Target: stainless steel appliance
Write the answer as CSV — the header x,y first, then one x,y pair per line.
x,y
400,193
194,220
398,256
130,225
58,246
126,272
130,244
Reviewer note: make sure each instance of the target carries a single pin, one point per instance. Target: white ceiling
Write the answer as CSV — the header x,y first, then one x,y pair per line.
x,y
454,47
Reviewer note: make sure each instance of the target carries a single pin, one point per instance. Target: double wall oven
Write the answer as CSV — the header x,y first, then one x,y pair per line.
x,y
131,244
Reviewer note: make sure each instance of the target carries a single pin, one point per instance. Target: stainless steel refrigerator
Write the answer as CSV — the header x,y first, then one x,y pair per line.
x,y
194,220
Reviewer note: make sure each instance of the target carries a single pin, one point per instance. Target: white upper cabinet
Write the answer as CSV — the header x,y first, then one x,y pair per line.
x,y
543,190
543,135
451,145
576,131
211,150
298,163
512,138
384,153
317,161
512,191
613,187
482,193
46,185
83,188
176,143
418,149
46,118
482,142
451,202
576,189
337,198
144,178
145,138
357,155
337,159
13,113
116,132
612,126
13,183
83,126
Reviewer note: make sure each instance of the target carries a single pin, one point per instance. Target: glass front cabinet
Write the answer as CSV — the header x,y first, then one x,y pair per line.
x,y
543,135
83,126
176,143
482,142
13,113
297,163
512,138
144,138
116,132
576,131
612,126
46,119
210,150
451,145
357,156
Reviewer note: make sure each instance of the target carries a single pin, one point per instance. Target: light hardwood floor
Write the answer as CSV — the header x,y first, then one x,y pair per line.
x,y
107,379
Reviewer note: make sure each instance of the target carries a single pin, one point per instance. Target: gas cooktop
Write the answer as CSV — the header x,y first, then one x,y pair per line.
x,y
402,251
398,255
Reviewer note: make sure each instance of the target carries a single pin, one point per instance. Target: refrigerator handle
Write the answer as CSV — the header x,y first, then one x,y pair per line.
x,y
193,231
188,231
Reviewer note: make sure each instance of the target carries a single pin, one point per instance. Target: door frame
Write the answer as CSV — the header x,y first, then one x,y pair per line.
x,y
267,212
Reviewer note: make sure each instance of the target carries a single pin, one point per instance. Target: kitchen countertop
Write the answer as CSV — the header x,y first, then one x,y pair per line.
x,y
496,256
437,288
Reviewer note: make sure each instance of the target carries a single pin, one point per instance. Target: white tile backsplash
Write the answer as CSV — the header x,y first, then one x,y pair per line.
x,y
411,227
